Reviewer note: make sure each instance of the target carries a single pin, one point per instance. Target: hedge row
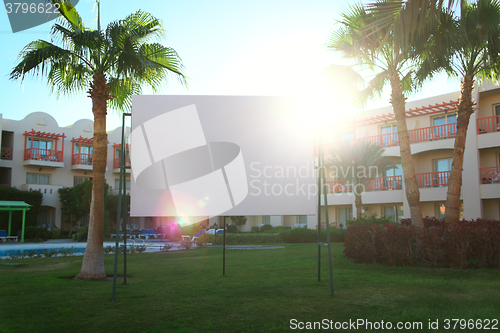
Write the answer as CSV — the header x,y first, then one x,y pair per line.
x,y
460,245
296,235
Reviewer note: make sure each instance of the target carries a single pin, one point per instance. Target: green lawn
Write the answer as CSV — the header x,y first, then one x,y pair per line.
x,y
184,291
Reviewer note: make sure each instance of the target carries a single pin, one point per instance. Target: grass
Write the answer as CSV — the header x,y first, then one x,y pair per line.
x,y
184,291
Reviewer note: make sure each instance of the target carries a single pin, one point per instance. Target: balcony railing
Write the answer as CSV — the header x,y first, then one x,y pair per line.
x,y
43,154
81,158
338,186
117,161
391,139
433,133
6,153
490,175
488,124
433,179
384,183
374,184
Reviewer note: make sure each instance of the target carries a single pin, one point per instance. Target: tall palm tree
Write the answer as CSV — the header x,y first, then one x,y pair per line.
x,y
110,65
357,163
465,46
376,51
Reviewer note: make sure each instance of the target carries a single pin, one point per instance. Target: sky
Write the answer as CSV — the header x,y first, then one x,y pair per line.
x,y
259,47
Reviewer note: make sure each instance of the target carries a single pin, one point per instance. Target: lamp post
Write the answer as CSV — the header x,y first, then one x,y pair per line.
x,y
215,232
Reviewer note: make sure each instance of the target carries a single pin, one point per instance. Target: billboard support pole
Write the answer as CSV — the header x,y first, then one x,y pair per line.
x,y
319,218
322,171
224,249
119,211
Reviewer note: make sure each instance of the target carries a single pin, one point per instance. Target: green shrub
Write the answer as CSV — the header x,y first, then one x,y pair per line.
x,y
266,227
231,229
82,233
56,233
254,229
245,238
276,230
35,233
369,220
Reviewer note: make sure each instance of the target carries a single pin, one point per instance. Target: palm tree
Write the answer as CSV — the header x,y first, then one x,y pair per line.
x,y
376,51
467,46
357,163
111,65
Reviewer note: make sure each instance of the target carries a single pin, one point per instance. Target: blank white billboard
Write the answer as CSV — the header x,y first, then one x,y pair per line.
x,y
202,156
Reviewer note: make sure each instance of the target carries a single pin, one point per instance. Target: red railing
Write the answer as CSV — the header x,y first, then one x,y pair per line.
x,y
6,153
43,154
490,175
433,133
338,186
488,124
391,139
117,161
433,179
374,184
81,158
384,140
384,183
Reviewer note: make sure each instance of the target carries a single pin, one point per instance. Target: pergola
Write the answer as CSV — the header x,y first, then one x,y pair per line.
x,y
12,206
425,110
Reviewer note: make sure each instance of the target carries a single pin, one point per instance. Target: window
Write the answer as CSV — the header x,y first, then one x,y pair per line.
x,y
396,212
446,126
396,171
344,214
117,184
267,219
442,167
389,139
35,178
78,180
37,143
497,110
347,136
83,149
441,209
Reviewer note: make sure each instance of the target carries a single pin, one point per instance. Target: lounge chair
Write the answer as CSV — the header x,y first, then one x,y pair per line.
x,y
195,237
4,237
144,234
153,233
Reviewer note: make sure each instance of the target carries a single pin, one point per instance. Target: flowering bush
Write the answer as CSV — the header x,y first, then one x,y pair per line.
x,y
464,244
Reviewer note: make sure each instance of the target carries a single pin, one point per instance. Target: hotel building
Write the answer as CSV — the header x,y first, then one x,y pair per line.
x,y
38,154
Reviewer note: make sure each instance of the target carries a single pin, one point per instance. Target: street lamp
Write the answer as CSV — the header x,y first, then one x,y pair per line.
x,y
215,232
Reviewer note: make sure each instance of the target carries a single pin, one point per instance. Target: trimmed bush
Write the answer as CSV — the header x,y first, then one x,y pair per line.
x,y
232,229
266,227
35,233
460,245
245,238
369,220
82,233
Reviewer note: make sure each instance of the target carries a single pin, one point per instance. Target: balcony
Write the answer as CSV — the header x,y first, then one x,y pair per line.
x,y
488,124
43,157
6,154
433,179
38,149
431,133
428,179
82,161
117,163
490,175
374,184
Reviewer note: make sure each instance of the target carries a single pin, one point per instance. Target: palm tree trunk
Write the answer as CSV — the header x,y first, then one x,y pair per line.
x,y
464,110
93,259
412,192
358,203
